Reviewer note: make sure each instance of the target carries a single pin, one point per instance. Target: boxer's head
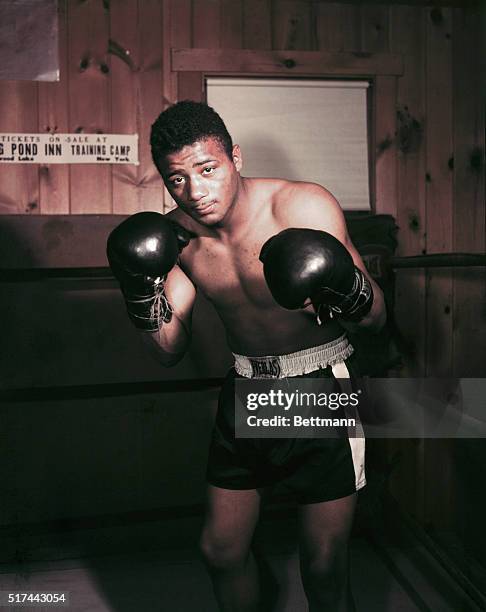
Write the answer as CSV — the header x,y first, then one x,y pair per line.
x,y
197,160
186,123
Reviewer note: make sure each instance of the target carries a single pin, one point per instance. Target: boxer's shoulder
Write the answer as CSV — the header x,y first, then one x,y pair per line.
x,y
302,204
299,193
280,193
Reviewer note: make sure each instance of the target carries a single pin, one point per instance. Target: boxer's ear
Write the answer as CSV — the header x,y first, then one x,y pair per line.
x,y
237,159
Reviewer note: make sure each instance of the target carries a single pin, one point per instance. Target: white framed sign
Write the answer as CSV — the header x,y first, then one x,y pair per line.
x,y
69,148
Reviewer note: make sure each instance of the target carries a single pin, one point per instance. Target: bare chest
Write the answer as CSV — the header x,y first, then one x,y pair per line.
x,y
229,274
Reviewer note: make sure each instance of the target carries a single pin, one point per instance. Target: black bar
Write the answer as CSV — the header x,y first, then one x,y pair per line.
x,y
22,275
102,521
434,260
439,260
73,392
273,511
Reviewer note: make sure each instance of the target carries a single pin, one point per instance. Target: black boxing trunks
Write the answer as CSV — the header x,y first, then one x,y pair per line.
x,y
310,470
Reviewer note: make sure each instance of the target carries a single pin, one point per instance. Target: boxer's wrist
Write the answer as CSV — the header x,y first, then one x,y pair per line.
x,y
141,251
353,306
147,306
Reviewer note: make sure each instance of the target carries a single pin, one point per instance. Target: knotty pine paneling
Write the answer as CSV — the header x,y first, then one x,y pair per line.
x,y
338,26
150,98
469,287
54,117
375,28
177,23
206,23
257,24
385,145
231,24
89,100
125,60
439,189
407,36
292,25
19,183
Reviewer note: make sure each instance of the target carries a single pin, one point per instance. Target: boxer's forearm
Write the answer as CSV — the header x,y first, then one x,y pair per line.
x,y
376,318
170,342
173,338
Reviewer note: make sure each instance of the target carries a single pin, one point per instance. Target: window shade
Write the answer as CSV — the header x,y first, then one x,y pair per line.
x,y
304,130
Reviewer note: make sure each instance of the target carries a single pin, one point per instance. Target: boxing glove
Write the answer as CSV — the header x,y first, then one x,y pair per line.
x,y
305,264
141,251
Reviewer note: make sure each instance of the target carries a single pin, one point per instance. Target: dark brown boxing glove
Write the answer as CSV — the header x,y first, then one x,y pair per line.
x,y
141,251
305,264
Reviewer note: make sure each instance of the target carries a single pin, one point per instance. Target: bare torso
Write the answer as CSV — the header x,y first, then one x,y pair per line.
x,y
226,268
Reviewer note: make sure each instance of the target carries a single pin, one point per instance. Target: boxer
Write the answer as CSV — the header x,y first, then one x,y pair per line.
x,y
269,254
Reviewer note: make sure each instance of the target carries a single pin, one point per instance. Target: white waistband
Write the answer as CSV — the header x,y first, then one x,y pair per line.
x,y
294,364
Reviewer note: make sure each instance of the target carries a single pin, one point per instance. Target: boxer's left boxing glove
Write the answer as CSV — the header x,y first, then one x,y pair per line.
x,y
305,264
141,251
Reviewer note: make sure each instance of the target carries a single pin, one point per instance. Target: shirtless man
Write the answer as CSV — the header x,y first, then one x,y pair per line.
x,y
221,222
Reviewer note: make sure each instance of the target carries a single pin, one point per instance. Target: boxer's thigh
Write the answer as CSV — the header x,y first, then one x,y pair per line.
x,y
231,517
325,528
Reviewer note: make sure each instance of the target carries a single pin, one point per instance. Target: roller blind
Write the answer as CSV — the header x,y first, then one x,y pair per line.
x,y
304,130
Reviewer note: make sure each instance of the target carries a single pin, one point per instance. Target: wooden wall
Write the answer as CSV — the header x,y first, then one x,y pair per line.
x,y
428,147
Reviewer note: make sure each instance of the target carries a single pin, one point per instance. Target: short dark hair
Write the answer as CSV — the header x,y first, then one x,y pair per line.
x,y
184,123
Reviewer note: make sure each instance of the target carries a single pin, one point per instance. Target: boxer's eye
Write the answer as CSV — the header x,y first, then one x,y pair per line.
x,y
177,180
208,170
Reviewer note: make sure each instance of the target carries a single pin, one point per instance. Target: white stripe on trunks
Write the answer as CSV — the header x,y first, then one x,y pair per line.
x,y
357,442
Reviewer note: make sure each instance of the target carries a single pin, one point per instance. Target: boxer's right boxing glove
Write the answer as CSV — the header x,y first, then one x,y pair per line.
x,y
141,251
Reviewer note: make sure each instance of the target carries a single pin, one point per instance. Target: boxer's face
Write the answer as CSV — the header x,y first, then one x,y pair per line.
x,y
203,180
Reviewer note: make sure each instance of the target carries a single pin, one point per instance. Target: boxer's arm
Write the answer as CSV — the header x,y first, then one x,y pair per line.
x,y
308,205
143,251
172,340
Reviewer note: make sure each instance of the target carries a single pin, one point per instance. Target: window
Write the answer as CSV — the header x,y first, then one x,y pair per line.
x,y
305,130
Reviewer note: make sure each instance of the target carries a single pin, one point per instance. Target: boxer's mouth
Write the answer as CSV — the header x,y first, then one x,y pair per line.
x,y
204,209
